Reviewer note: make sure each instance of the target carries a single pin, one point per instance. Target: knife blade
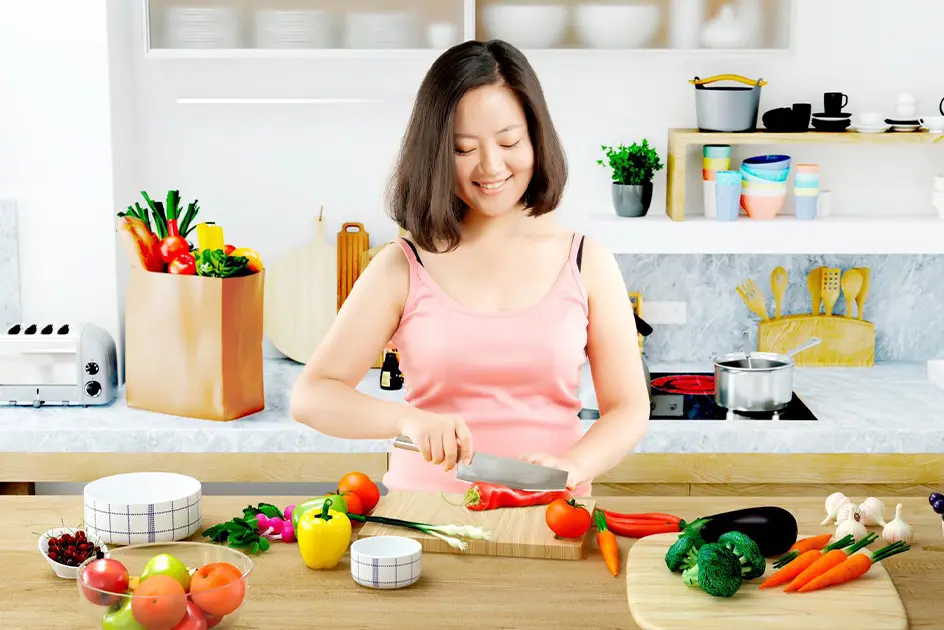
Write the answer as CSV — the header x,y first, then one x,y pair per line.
x,y
505,471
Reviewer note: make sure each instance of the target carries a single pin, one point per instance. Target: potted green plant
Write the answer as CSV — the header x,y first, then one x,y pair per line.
x,y
633,169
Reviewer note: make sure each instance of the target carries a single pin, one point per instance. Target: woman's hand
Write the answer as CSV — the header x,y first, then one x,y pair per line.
x,y
441,438
575,476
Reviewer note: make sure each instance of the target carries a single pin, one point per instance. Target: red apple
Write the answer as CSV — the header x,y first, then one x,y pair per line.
x,y
108,575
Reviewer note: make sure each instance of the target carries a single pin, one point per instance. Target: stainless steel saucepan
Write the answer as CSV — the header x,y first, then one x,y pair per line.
x,y
756,382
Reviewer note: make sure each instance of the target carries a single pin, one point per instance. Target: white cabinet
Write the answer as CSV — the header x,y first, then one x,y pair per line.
x,y
304,28
383,28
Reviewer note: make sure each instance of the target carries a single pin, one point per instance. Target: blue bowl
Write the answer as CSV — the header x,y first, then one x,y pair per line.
x,y
768,162
764,176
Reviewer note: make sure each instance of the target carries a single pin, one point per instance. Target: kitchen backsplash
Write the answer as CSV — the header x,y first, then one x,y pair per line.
x,y
9,264
904,300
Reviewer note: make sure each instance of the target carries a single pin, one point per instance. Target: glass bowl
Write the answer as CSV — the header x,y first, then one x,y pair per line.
x,y
218,581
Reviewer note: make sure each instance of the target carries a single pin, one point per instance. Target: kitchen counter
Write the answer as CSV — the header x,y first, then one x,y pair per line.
x,y
461,592
891,408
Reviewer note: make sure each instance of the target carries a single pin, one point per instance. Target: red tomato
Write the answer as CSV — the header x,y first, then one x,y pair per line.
x,y
353,502
361,485
173,246
104,574
567,518
218,588
228,249
193,620
183,265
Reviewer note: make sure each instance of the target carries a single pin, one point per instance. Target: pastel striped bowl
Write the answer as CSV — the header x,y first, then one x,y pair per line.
x,y
143,507
767,175
386,562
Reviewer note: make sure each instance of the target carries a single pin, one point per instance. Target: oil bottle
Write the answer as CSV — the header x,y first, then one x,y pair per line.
x,y
390,376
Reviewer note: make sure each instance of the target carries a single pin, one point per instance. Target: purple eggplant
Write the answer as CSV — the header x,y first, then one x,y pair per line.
x,y
773,528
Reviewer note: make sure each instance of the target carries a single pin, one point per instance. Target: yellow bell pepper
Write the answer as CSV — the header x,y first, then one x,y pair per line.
x,y
323,537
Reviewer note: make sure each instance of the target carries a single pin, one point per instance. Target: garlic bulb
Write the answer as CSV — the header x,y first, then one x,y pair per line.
x,y
852,525
897,529
833,503
873,511
849,510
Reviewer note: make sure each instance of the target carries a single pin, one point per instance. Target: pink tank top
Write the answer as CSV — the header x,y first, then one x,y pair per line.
x,y
513,376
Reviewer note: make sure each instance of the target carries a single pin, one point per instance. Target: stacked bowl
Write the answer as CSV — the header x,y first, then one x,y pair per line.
x,y
717,157
764,185
806,191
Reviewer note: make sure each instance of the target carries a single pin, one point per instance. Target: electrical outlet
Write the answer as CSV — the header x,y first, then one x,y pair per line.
x,y
664,312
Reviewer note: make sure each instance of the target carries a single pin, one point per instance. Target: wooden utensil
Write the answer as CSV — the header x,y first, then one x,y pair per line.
x,y
831,279
845,342
519,532
851,285
301,296
753,298
863,290
778,285
660,600
815,283
352,240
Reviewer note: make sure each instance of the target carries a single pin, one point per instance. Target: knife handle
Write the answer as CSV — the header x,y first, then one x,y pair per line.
x,y
404,442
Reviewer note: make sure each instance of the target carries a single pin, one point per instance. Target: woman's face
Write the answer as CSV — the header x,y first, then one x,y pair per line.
x,y
494,156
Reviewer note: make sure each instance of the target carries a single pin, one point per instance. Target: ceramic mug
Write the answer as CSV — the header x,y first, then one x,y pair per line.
x,y
871,119
717,151
934,124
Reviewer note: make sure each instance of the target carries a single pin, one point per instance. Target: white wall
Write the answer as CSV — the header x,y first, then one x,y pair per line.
x,y
263,170
60,141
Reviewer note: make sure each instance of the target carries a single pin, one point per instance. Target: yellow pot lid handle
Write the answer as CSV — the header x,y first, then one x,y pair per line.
x,y
727,77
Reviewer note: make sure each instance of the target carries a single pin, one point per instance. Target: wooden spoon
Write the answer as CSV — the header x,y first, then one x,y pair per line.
x,y
778,285
851,285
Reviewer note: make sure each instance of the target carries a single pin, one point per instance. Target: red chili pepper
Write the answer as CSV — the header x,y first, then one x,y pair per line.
x,y
655,516
639,528
488,496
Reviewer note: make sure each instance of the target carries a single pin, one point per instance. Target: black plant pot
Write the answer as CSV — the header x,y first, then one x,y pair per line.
x,y
632,200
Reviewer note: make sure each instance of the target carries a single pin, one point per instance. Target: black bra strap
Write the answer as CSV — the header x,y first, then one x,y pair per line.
x,y
415,253
580,252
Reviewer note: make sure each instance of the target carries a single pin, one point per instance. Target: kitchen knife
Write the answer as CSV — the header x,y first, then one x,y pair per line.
x,y
504,471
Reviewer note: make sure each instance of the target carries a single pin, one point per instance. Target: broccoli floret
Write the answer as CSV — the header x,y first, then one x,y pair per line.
x,y
717,571
753,563
681,554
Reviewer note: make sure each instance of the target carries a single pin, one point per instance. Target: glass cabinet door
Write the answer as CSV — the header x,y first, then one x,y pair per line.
x,y
637,24
312,25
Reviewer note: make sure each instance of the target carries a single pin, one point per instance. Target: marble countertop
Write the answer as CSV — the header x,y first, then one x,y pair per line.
x,y
891,408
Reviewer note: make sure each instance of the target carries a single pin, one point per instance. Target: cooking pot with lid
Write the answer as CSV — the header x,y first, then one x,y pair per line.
x,y
756,382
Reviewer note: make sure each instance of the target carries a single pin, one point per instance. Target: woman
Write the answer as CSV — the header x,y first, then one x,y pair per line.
x,y
493,307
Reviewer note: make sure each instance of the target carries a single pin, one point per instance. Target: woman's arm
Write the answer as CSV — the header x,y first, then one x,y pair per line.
x,y
324,397
616,364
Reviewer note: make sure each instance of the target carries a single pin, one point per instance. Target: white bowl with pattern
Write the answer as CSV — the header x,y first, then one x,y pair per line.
x,y
143,507
386,562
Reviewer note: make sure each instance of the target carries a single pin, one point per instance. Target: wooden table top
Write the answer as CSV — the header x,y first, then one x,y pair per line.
x,y
455,591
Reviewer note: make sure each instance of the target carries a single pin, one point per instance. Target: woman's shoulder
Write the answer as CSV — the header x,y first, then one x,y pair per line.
x,y
388,271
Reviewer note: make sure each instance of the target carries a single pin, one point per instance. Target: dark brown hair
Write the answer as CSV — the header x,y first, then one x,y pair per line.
x,y
422,193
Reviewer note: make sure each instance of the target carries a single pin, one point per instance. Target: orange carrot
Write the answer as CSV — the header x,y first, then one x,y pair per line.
x,y
827,561
853,567
812,542
798,565
801,546
607,543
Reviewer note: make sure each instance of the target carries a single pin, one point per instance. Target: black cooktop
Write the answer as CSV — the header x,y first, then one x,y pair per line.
x,y
691,397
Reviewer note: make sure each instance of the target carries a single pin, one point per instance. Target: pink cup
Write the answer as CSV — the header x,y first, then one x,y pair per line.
x,y
807,168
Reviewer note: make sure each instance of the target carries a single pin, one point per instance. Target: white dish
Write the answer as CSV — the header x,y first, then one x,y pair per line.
x,y
63,570
381,30
527,26
616,26
386,562
870,128
905,127
145,507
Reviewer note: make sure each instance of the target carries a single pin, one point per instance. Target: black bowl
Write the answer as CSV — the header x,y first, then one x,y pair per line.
x,y
836,115
831,125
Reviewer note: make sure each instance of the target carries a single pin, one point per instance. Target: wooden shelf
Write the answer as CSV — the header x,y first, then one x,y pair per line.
x,y
658,234
681,139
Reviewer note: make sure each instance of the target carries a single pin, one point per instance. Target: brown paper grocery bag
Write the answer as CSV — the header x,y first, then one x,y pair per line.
x,y
193,344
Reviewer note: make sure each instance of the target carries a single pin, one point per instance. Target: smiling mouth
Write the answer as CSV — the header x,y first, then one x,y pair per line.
x,y
493,186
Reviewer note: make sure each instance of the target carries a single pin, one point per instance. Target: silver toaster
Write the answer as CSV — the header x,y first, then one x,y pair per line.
x,y
57,364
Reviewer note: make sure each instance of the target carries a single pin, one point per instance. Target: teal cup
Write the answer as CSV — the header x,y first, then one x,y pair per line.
x,y
717,151
805,183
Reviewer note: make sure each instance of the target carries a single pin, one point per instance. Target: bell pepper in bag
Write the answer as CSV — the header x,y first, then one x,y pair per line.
x,y
323,537
336,502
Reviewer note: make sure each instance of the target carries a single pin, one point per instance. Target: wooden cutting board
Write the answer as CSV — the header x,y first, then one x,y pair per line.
x,y
659,600
353,241
301,297
516,532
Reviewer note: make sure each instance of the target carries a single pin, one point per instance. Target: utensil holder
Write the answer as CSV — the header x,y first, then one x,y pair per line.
x,y
846,342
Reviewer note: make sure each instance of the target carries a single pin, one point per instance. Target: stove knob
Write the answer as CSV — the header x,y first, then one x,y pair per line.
x,y
91,368
93,389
